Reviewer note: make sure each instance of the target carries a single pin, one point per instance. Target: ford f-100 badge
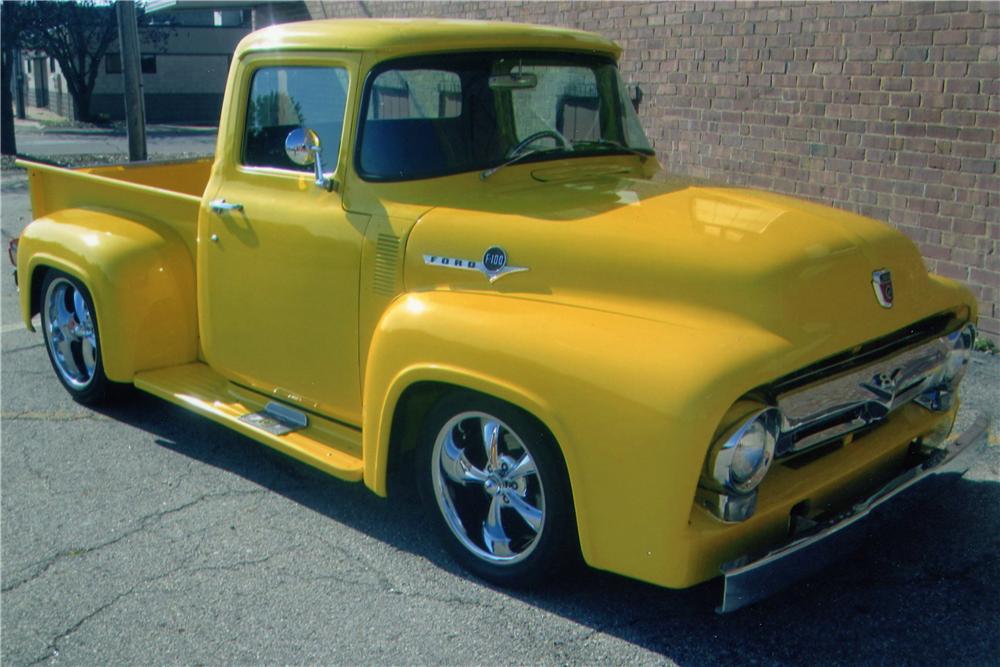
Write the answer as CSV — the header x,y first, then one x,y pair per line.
x,y
493,266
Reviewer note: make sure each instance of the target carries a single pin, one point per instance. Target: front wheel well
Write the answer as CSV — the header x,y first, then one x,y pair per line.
x,y
408,418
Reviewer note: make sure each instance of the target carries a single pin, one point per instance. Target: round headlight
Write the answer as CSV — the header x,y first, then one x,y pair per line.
x,y
741,459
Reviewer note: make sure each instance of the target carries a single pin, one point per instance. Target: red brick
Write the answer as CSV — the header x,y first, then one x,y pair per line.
x,y
950,37
933,22
905,99
970,20
917,8
962,86
969,227
911,129
918,69
938,101
911,53
968,150
950,270
984,277
928,85
922,115
897,84
965,53
972,102
943,192
943,162
979,166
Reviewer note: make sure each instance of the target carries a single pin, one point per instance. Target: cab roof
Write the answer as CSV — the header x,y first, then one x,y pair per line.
x,y
397,37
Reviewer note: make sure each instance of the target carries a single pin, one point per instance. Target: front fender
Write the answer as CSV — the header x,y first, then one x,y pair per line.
x,y
632,403
140,276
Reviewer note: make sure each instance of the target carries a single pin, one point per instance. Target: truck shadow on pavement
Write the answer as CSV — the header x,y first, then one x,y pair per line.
x,y
925,589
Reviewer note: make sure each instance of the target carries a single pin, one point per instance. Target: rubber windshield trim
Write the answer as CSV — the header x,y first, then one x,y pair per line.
x,y
426,58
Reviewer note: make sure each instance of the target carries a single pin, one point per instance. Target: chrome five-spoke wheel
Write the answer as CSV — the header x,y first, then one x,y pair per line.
x,y
487,487
70,329
494,482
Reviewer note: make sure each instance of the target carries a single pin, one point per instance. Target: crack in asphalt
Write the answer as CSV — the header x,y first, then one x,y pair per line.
x,y
23,348
52,650
382,583
38,473
144,523
52,415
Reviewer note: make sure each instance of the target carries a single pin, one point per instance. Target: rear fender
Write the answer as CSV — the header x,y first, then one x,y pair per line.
x,y
140,275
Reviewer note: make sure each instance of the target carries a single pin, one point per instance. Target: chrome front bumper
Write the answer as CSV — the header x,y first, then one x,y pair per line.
x,y
748,582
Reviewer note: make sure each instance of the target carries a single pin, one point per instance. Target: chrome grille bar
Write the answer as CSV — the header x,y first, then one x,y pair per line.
x,y
829,410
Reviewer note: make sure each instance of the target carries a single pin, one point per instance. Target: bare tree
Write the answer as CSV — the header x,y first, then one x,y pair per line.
x,y
13,20
76,33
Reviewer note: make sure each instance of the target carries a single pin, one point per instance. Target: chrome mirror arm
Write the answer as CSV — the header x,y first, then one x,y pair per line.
x,y
322,180
302,147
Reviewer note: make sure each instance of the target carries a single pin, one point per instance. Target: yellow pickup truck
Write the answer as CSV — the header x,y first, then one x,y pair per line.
x,y
439,246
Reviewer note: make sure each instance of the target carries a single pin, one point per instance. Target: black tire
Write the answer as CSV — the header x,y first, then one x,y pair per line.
x,y
516,555
72,340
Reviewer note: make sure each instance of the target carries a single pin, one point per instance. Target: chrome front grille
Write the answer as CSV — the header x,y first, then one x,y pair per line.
x,y
828,410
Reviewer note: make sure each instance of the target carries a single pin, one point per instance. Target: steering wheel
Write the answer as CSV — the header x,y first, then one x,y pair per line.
x,y
532,138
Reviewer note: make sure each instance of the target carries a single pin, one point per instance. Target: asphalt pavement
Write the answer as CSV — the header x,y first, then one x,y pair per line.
x,y
141,534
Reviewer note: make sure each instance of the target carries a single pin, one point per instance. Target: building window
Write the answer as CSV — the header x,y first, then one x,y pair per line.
x,y
113,64
29,65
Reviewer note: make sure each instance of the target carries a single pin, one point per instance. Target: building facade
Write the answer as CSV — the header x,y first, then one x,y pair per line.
x,y
183,72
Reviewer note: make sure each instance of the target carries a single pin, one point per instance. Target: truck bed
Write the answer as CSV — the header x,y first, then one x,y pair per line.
x,y
169,192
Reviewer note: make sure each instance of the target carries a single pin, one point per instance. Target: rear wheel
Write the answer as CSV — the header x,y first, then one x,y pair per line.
x,y
72,340
495,486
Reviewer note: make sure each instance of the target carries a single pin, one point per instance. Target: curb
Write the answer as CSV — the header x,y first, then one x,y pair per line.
x,y
151,130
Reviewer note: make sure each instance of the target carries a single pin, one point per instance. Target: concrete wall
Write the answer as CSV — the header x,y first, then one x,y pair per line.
x,y
889,109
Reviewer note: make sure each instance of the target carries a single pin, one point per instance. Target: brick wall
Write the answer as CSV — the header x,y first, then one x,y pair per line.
x,y
889,109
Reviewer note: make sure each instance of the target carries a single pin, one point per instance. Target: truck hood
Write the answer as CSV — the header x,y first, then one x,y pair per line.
x,y
677,251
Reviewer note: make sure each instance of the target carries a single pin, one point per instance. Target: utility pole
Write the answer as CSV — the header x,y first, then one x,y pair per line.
x,y
19,84
135,108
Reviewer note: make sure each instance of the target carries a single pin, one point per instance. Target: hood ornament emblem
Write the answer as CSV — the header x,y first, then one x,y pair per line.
x,y
493,264
882,284
884,386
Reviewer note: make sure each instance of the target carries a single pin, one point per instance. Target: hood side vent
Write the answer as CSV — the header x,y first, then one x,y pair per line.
x,y
386,265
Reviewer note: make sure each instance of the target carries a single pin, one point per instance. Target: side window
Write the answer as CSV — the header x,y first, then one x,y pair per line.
x,y
284,98
415,93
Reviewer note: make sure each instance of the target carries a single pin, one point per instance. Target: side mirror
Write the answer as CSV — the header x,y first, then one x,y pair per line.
x,y
302,147
635,95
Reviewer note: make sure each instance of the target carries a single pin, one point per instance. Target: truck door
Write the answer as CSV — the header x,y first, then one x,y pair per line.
x,y
278,256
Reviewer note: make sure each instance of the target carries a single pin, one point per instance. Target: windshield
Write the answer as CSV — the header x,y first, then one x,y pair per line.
x,y
433,116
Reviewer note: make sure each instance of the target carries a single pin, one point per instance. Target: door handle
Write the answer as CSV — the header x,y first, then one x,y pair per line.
x,y
223,206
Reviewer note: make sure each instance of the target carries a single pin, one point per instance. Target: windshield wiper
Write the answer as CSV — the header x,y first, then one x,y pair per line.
x,y
613,144
486,173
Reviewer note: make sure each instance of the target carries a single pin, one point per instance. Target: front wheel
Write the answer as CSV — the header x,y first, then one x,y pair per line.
x,y
69,325
495,485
